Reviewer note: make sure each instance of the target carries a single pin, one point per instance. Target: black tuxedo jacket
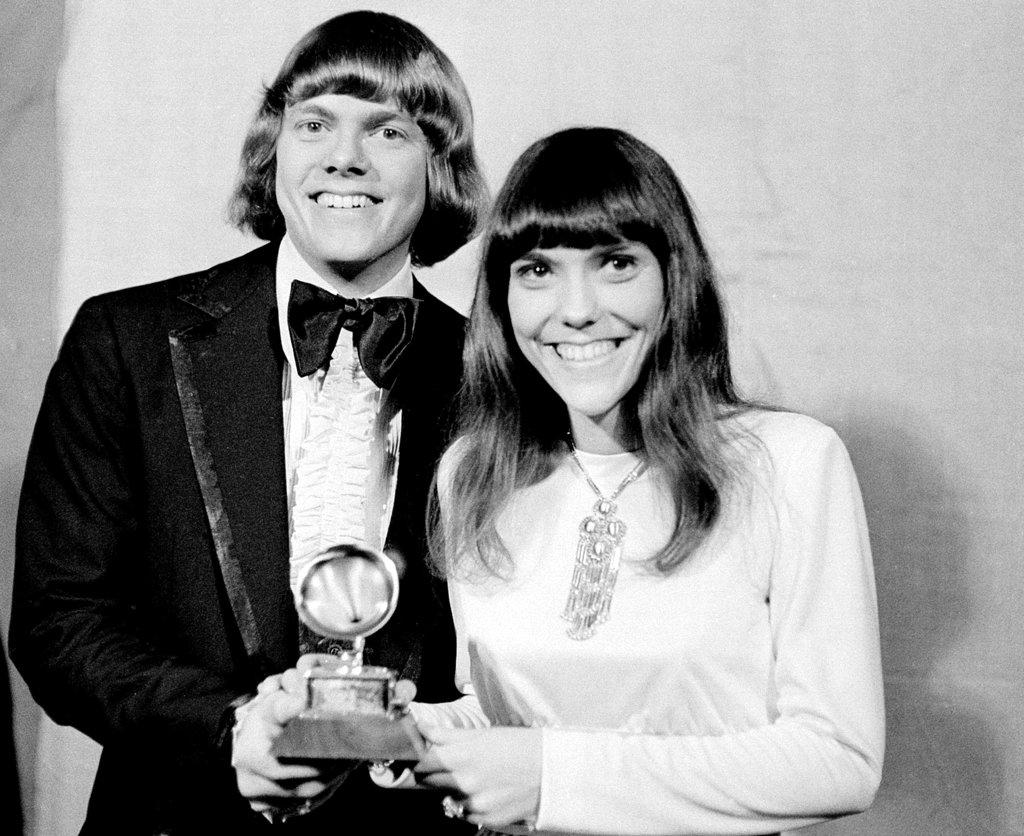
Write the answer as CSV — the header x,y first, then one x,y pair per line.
x,y
151,582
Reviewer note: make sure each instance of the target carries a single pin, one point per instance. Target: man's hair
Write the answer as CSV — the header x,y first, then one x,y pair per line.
x,y
581,188
379,58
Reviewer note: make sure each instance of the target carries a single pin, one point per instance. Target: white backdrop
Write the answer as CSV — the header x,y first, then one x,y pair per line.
x,y
857,170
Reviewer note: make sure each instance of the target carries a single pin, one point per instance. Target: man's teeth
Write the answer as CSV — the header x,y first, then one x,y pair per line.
x,y
587,351
343,201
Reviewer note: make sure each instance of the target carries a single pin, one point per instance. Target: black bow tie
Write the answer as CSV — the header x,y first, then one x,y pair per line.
x,y
381,329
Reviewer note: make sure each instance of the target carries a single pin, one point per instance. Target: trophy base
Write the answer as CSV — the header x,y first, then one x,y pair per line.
x,y
362,737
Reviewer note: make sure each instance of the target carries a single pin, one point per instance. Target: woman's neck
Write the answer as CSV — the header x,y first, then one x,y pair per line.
x,y
604,436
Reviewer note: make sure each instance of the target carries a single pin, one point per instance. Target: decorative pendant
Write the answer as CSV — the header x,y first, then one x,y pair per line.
x,y
598,554
597,567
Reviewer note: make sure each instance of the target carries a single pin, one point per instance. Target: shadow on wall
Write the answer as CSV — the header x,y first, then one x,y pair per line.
x,y
10,810
943,767
31,45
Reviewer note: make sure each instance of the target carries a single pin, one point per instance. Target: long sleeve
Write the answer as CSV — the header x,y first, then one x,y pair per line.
x,y
90,655
465,712
819,756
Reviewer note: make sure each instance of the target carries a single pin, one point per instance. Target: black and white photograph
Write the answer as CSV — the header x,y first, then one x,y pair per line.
x,y
480,417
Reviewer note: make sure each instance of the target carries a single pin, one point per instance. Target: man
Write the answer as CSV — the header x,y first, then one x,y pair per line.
x,y
201,439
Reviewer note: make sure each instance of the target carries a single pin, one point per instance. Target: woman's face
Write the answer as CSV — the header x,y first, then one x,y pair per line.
x,y
586,320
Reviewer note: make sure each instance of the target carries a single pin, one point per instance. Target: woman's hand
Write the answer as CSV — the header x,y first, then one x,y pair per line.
x,y
495,772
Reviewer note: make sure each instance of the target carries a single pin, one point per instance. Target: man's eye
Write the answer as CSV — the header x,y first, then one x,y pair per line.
x,y
311,126
391,133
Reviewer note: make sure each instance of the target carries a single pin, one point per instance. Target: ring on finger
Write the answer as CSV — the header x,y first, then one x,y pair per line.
x,y
453,809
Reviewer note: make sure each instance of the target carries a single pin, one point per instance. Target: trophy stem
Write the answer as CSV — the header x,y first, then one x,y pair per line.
x,y
352,656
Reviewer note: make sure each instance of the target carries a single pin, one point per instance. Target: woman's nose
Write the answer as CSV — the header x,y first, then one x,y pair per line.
x,y
579,304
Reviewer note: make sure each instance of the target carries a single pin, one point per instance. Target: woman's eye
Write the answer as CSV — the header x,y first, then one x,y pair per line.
x,y
531,270
391,133
311,126
621,262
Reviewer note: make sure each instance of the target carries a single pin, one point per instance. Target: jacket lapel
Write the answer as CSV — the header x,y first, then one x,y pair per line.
x,y
418,640
426,391
432,373
227,365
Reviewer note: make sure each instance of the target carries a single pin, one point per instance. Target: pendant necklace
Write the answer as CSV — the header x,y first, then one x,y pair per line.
x,y
598,554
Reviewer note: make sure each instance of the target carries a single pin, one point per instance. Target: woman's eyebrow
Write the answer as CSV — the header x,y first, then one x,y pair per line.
x,y
614,246
533,255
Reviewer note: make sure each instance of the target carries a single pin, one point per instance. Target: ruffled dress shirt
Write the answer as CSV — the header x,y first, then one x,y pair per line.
x,y
341,435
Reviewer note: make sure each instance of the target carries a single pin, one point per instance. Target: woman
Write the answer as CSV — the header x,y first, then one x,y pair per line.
x,y
663,594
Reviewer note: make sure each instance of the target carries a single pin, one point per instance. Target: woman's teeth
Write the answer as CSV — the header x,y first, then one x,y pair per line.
x,y
343,201
587,351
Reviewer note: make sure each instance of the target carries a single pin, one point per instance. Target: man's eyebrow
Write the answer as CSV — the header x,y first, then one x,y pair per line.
x,y
313,109
375,116
386,114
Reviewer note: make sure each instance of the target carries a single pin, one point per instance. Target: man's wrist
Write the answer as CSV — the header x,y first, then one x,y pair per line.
x,y
223,743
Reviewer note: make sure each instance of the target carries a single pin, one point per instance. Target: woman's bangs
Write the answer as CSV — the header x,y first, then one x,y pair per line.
x,y
595,220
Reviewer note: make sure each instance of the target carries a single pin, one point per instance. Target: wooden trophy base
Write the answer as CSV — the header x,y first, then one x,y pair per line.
x,y
363,737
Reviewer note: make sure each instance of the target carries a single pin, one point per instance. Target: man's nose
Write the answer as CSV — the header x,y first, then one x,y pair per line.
x,y
346,155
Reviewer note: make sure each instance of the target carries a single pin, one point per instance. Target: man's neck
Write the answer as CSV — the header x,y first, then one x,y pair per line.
x,y
357,280
390,277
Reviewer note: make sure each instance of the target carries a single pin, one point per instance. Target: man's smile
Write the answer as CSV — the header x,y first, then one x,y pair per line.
x,y
331,200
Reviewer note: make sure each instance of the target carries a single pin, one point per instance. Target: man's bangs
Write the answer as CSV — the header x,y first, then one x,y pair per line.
x,y
387,79
348,76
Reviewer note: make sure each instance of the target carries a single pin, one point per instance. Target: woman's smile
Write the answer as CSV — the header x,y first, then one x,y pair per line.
x,y
583,352
586,320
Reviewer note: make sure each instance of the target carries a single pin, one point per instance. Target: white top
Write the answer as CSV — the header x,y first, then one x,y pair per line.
x,y
740,694
340,466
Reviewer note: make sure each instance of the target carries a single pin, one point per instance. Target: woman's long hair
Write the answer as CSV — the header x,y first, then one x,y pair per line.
x,y
580,188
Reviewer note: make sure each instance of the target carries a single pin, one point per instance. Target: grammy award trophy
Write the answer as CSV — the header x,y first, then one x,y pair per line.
x,y
353,711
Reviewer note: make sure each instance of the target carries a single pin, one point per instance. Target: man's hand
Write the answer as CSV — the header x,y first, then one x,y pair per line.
x,y
268,784
495,772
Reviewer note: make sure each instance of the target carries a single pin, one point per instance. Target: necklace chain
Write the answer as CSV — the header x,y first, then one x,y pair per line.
x,y
631,477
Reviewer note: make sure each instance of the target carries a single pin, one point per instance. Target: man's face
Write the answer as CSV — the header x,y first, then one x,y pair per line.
x,y
352,185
